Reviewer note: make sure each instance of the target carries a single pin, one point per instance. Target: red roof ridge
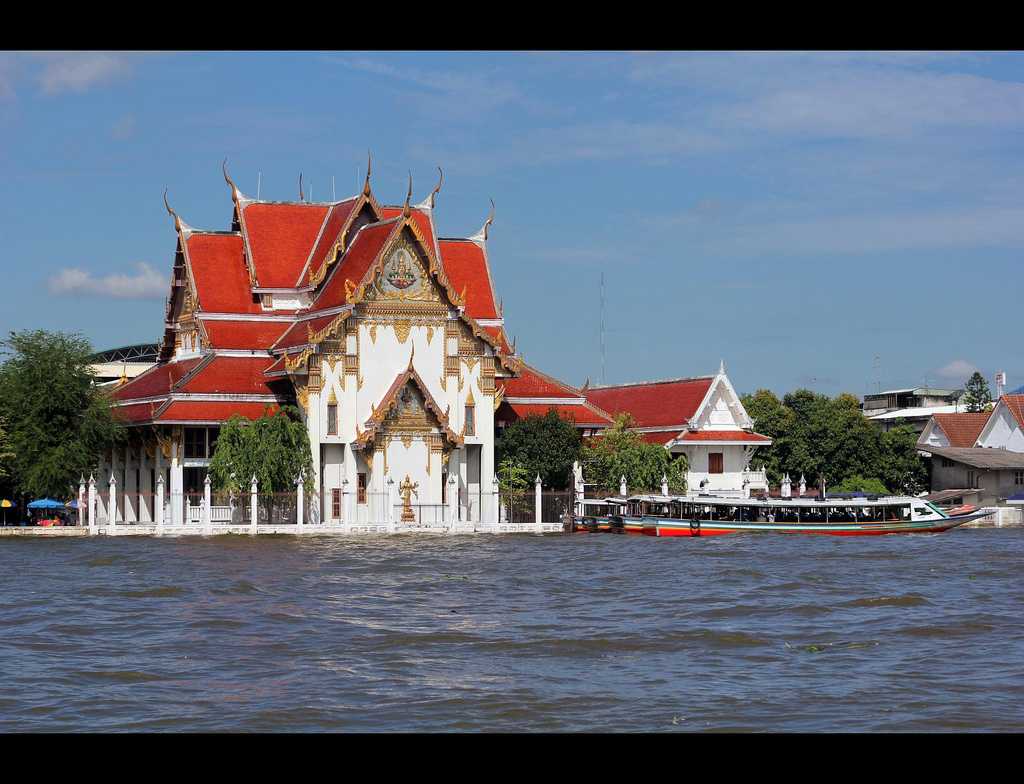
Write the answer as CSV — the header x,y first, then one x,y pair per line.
x,y
650,383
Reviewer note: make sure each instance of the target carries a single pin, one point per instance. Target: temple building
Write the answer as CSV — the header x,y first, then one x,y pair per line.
x,y
701,417
389,338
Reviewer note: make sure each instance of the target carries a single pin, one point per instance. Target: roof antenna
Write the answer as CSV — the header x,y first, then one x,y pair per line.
x,y
603,382
334,196
259,182
301,195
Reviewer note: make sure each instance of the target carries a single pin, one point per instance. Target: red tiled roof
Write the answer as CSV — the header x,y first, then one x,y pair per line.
x,y
580,414
466,266
533,383
220,411
220,274
230,375
281,237
724,435
498,333
366,246
660,437
257,335
655,403
135,413
962,430
158,380
298,333
422,219
1015,403
336,218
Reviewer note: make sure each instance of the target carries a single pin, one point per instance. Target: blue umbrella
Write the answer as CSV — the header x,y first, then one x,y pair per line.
x,y
45,503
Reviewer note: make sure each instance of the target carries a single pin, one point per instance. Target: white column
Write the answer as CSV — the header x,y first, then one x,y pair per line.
x,y
159,504
299,500
577,472
537,501
253,504
158,473
146,513
664,484
177,487
207,515
622,486
112,503
92,504
81,501
131,488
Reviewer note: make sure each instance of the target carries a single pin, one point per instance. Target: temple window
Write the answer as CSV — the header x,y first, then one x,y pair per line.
x,y
470,420
715,463
336,504
361,488
332,419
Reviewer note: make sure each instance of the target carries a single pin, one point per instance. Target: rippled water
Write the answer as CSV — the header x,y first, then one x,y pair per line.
x,y
514,633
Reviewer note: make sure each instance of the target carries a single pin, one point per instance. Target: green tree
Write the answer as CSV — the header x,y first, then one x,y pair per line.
x,y
773,419
977,395
901,467
513,480
860,484
59,422
6,456
275,448
619,452
547,445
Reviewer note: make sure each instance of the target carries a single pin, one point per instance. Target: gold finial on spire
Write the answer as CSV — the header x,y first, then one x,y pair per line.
x,y
369,166
437,189
406,210
302,196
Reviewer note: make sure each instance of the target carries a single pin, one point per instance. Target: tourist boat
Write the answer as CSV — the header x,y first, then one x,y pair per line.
x,y
599,515
659,515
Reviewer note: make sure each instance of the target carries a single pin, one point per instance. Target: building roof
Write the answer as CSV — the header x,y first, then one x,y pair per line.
x,y
281,237
948,495
465,263
724,436
922,412
1015,405
238,334
962,430
670,403
581,414
978,457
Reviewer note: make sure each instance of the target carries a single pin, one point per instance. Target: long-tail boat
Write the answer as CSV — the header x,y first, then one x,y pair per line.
x,y
660,515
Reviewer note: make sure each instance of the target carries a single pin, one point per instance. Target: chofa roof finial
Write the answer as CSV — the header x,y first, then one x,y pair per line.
x,y
406,209
171,212
369,168
302,196
489,221
437,188
229,181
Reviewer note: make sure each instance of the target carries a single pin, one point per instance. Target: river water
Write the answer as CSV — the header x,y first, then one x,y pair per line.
x,y
514,633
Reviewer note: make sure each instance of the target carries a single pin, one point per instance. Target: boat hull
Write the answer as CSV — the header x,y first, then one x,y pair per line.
x,y
719,528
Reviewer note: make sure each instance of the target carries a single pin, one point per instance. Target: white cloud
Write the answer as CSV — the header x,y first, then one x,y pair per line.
x,y
146,283
958,369
77,72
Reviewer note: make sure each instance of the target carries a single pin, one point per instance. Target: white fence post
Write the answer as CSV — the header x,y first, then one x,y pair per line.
x,y
497,499
391,498
207,516
298,504
453,499
112,505
346,503
81,502
537,501
92,504
622,486
159,503
253,507
664,484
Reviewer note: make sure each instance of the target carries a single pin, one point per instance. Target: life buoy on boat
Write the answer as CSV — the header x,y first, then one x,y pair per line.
x,y
695,528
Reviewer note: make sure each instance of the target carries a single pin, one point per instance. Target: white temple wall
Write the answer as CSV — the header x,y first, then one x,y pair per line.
x,y
733,463
1002,432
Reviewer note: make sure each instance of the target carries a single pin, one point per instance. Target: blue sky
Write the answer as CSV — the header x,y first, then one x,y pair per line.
x,y
830,220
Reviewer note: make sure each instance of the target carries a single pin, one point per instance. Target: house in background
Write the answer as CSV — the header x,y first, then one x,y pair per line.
x,y
977,457
700,417
913,407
